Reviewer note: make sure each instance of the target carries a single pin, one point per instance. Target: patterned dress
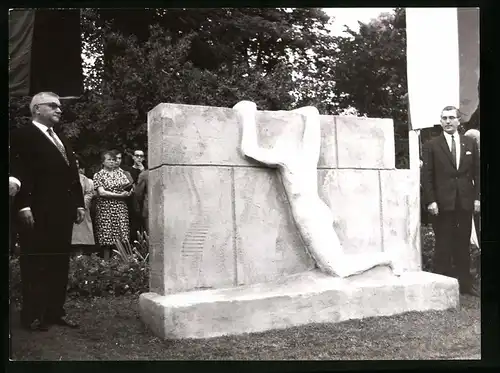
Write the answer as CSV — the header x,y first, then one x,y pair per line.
x,y
112,222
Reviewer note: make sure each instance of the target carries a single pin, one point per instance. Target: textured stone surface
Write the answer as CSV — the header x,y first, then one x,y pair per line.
x,y
195,229
365,142
354,199
220,221
198,135
156,190
401,217
267,241
309,297
329,150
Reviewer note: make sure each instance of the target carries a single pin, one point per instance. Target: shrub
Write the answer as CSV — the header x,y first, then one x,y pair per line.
x,y
427,242
140,251
14,279
95,277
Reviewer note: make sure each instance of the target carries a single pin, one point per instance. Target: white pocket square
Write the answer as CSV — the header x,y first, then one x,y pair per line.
x,y
468,153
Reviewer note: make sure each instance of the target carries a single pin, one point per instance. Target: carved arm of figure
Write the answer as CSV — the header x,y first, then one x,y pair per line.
x,y
249,143
298,173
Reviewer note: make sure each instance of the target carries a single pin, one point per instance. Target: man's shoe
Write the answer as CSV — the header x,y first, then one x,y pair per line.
x,y
42,326
36,325
64,322
471,291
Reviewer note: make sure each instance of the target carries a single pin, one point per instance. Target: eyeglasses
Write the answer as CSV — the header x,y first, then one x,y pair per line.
x,y
139,155
52,105
450,118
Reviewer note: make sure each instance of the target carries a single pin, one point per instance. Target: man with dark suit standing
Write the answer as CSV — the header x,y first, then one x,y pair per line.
x,y
49,201
140,198
450,179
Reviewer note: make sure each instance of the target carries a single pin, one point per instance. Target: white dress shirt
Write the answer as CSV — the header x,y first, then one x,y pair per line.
x,y
456,138
44,129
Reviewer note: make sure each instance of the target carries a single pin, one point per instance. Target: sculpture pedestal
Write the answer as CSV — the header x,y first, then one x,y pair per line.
x,y
308,297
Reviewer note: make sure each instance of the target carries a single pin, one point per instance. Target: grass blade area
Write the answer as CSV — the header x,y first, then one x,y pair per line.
x,y
112,330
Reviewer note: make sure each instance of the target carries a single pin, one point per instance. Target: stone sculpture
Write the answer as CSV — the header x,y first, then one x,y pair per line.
x,y
234,243
298,173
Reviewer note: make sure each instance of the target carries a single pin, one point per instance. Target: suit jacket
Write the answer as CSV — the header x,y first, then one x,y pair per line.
x,y
49,187
141,195
442,182
134,172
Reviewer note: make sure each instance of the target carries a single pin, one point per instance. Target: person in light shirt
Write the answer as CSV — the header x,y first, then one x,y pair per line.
x,y
475,237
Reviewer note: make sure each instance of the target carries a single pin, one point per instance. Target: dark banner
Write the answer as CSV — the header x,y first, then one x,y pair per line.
x,y
468,44
21,25
45,49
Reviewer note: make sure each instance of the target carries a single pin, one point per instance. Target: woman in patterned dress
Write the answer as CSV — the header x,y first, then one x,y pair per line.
x,y
112,221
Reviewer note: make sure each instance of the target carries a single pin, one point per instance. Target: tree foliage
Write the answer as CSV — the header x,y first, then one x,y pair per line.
x,y
281,58
370,73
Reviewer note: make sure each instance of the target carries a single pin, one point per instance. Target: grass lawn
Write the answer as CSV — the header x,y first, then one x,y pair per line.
x,y
111,330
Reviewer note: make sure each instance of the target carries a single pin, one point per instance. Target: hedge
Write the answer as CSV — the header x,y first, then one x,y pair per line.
x,y
96,277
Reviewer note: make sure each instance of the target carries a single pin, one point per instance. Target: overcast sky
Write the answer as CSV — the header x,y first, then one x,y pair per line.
x,y
351,16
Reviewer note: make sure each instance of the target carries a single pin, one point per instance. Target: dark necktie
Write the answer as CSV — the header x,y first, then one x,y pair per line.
x,y
58,145
454,150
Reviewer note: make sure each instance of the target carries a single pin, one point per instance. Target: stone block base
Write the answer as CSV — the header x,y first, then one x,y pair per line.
x,y
309,297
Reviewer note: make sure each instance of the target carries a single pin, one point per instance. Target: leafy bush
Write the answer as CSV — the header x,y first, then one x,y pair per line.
x,y
94,276
139,251
427,242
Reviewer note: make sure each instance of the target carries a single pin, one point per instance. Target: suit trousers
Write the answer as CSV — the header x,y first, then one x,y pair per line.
x,y
452,230
44,264
44,283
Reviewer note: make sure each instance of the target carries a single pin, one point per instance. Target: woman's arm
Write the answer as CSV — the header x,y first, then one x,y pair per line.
x,y
101,192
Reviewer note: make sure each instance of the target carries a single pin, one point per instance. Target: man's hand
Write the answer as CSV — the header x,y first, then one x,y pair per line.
x,y
433,208
477,207
13,188
80,215
26,218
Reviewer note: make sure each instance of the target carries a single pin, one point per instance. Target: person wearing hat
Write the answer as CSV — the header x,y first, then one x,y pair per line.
x,y
47,204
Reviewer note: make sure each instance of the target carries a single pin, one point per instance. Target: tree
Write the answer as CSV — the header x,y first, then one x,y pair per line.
x,y
370,74
200,56
213,57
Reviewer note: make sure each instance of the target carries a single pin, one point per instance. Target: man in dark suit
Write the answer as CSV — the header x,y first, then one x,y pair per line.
x,y
14,186
140,198
450,179
49,201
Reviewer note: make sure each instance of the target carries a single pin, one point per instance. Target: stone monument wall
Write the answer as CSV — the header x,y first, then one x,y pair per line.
x,y
220,220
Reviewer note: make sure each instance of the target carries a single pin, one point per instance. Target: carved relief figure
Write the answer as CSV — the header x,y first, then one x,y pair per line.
x,y
297,167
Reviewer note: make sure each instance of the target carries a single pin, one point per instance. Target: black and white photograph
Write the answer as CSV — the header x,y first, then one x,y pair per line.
x,y
248,184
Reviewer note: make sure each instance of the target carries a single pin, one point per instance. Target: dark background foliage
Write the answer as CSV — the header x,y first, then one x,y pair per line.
x,y
218,56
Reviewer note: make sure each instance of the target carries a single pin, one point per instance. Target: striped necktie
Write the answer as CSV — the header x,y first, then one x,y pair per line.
x,y
454,151
58,145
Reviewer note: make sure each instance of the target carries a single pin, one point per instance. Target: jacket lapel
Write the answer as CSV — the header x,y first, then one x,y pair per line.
x,y
48,142
446,149
463,150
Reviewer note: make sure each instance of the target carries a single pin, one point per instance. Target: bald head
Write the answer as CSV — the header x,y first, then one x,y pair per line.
x,y
43,98
45,108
